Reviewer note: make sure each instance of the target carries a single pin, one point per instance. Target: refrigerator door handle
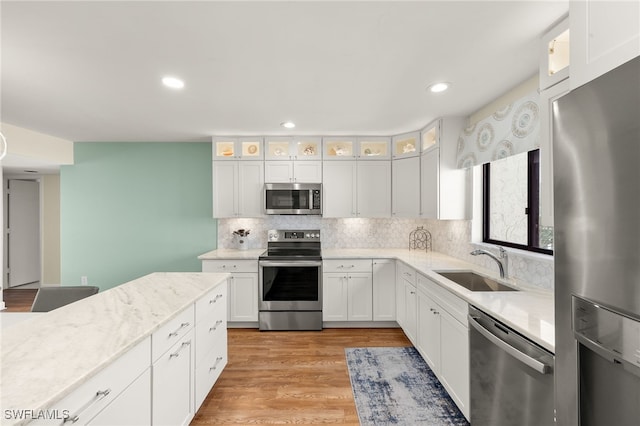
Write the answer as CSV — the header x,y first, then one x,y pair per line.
x,y
522,357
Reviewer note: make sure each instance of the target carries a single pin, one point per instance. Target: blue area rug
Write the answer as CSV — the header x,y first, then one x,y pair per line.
x,y
395,386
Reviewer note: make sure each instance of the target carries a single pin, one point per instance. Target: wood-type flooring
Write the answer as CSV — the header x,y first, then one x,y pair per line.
x,y
278,377
289,377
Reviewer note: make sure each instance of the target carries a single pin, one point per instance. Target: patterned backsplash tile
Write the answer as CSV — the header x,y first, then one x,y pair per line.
x,y
448,237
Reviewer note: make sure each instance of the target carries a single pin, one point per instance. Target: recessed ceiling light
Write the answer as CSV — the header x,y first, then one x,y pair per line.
x,y
439,87
173,82
288,124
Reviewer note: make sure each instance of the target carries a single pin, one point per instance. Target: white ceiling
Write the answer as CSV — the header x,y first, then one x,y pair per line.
x,y
90,71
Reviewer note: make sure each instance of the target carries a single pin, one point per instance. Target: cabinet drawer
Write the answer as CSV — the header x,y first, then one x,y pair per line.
x,y
214,302
346,265
102,389
209,332
406,272
208,371
171,332
457,307
230,265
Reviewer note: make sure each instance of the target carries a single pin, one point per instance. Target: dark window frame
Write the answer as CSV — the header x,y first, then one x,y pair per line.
x,y
532,211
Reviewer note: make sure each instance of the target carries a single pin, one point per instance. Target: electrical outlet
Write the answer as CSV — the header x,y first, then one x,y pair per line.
x,y
83,280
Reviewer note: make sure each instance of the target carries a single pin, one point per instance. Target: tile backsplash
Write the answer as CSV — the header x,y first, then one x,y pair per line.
x,y
448,237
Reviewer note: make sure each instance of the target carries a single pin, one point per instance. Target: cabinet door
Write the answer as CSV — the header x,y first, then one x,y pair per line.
x,y
243,297
225,188
406,145
360,297
604,35
429,184
406,187
401,308
250,188
173,388
307,148
278,148
225,148
374,148
454,362
131,407
339,148
307,171
278,171
428,334
335,296
411,319
384,290
374,188
339,188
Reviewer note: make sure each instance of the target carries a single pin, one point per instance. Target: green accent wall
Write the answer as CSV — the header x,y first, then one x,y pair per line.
x,y
129,209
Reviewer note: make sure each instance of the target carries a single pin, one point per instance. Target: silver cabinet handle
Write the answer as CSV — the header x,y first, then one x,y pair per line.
x,y
99,395
183,325
216,325
182,346
215,299
522,357
215,366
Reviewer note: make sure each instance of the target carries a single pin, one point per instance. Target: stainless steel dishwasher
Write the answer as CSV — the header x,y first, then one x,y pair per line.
x,y
511,377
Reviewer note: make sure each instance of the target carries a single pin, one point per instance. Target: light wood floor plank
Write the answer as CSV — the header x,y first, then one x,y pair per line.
x,y
289,377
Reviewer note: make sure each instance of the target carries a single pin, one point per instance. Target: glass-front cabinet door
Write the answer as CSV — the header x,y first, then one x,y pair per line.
x,y
234,148
406,145
339,148
374,148
307,148
278,148
429,136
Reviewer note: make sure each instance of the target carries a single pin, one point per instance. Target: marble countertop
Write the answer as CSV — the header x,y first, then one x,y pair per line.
x,y
529,311
47,357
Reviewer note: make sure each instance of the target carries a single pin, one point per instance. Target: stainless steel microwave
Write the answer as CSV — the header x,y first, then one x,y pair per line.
x,y
293,198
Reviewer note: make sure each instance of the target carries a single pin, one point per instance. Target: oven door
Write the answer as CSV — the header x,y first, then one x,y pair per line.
x,y
290,285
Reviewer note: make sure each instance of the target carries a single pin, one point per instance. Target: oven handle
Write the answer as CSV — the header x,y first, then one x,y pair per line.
x,y
294,263
522,357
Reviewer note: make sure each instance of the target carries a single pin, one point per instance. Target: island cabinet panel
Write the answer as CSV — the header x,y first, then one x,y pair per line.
x,y
106,388
173,390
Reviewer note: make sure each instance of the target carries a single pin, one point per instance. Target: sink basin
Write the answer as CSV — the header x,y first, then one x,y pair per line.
x,y
474,282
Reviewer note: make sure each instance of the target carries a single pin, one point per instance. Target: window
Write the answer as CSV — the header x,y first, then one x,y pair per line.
x,y
511,218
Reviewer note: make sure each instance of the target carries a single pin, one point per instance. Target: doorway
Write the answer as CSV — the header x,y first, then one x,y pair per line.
x,y
23,234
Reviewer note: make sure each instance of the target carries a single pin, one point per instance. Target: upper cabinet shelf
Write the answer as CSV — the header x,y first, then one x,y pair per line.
x,y
234,148
555,55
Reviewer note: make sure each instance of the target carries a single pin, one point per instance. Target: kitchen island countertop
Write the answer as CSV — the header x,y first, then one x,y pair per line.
x,y
47,357
529,311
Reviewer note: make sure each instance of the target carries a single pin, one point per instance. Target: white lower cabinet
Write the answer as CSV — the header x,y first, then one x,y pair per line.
x,y
242,287
384,290
443,339
406,300
347,293
173,384
131,407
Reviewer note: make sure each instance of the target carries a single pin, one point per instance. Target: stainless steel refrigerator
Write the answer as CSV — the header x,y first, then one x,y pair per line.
x,y
596,156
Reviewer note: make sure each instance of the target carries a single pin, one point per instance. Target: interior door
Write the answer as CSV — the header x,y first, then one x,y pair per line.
x,y
23,239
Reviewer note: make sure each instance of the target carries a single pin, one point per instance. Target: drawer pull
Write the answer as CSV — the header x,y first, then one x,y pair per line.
x,y
215,327
97,397
215,299
183,325
182,346
215,366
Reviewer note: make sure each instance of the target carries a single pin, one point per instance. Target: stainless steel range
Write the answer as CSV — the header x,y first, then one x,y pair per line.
x,y
290,281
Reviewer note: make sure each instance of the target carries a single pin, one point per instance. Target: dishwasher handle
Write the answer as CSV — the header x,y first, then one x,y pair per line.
x,y
540,367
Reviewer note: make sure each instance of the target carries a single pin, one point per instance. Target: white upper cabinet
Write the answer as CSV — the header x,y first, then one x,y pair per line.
x,y
604,35
233,148
293,171
430,137
406,145
405,190
237,188
555,55
339,148
374,148
445,190
301,148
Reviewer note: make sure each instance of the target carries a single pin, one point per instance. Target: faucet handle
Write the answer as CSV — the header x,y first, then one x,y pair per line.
x,y
503,252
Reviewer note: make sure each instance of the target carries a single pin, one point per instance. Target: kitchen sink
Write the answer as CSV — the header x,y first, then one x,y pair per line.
x,y
475,282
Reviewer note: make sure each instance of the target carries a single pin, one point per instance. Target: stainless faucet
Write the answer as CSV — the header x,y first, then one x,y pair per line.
x,y
502,264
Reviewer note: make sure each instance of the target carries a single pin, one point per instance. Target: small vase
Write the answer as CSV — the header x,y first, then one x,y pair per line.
x,y
240,243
